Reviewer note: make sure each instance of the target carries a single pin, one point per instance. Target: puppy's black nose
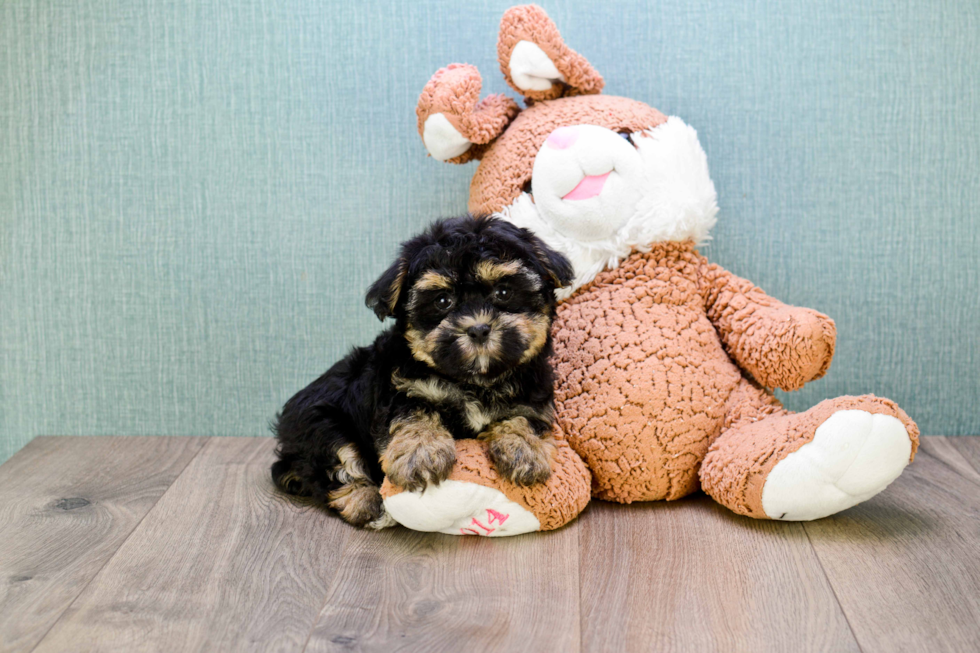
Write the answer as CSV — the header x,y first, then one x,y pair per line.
x,y
479,333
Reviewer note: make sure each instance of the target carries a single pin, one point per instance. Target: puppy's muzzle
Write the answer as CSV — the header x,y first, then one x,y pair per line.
x,y
479,333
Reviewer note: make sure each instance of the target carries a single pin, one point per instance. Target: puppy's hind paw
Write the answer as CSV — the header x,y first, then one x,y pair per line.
x,y
358,502
382,522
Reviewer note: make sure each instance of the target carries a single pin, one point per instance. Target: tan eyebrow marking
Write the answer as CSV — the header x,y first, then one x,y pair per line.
x,y
491,271
432,280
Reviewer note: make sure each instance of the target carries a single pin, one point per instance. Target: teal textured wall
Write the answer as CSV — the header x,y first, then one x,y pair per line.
x,y
194,195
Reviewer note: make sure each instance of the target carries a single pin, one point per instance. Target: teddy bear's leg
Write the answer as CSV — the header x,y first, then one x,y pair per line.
x,y
803,466
476,500
461,508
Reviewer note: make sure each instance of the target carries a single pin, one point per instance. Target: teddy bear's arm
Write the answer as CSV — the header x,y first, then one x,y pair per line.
x,y
781,346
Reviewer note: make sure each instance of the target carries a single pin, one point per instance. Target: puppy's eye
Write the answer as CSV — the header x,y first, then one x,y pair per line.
x,y
501,294
527,187
628,136
444,302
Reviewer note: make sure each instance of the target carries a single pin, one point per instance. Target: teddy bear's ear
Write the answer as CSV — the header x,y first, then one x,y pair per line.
x,y
454,124
535,60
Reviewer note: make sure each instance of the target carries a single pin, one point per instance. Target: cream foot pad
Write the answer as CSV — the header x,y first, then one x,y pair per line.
x,y
853,456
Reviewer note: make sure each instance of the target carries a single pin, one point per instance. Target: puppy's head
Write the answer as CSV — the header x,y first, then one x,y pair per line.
x,y
473,296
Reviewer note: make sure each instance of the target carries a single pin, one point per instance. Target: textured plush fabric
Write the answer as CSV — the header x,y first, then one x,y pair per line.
x,y
780,346
647,360
642,379
555,502
194,196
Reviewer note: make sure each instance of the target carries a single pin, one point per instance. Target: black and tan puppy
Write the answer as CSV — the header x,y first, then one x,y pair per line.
x,y
473,299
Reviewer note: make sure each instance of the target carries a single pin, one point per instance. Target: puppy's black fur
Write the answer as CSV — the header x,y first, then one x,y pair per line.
x,y
473,299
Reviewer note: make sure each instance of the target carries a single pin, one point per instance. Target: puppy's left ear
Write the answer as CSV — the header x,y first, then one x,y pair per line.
x,y
383,295
554,263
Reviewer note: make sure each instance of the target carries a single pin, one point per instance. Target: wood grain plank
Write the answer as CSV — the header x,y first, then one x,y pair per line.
x,y
906,564
692,576
66,505
222,563
405,591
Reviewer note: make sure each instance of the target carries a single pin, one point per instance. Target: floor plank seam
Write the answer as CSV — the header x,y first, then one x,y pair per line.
x,y
121,544
823,570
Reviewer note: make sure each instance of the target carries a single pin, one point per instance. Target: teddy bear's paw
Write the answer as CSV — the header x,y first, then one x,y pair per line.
x,y
461,508
853,456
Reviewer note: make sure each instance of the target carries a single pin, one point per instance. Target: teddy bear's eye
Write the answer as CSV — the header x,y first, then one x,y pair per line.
x,y
628,136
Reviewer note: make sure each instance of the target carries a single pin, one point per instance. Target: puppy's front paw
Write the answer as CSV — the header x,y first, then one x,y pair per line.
x,y
520,455
421,452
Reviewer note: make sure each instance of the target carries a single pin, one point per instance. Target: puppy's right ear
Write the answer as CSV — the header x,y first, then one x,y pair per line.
x,y
558,267
383,295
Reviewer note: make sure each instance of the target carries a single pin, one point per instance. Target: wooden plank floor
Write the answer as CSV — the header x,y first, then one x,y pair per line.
x,y
181,544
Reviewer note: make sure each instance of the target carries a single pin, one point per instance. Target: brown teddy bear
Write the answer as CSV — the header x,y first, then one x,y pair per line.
x,y
665,361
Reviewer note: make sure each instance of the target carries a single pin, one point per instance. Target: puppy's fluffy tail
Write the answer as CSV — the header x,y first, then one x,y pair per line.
x,y
284,471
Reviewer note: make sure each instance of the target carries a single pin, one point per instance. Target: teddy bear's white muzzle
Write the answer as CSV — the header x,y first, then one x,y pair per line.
x,y
586,181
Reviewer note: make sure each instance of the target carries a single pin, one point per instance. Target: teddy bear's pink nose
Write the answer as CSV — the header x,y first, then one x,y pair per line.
x,y
562,138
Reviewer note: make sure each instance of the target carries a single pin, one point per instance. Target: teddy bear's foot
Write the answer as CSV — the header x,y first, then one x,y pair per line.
x,y
476,500
853,456
805,466
461,508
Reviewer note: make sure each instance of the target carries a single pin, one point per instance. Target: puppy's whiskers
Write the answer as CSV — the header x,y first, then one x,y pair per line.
x,y
422,345
478,356
533,328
